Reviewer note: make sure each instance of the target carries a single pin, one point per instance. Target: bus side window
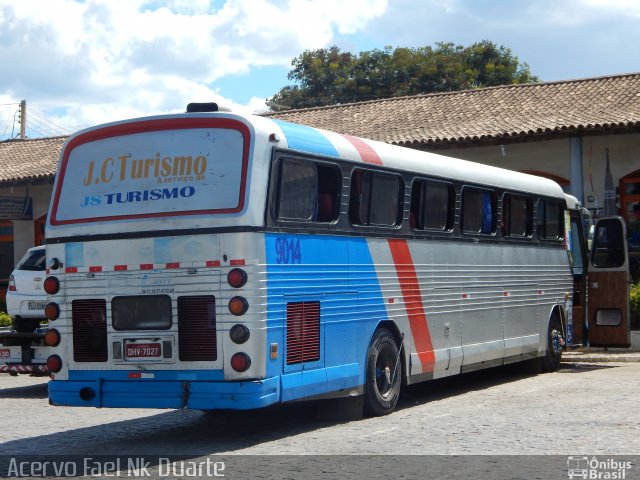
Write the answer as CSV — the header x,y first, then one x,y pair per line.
x,y
374,199
550,220
517,216
431,205
329,186
308,191
297,190
478,211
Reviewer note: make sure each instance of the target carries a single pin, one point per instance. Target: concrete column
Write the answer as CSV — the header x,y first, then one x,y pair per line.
x,y
577,179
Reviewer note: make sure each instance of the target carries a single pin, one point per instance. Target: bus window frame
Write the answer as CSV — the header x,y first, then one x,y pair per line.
x,y
541,235
506,216
419,219
494,215
274,189
400,207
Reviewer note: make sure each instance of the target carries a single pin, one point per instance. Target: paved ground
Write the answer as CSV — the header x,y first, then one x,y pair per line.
x,y
501,423
581,409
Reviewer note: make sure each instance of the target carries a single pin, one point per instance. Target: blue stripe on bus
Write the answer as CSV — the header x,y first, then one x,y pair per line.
x,y
338,272
306,139
166,390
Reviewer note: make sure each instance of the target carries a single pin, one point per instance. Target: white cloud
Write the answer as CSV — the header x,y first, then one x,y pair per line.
x,y
102,60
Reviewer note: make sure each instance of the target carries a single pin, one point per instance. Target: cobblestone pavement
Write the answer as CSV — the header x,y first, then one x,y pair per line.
x,y
582,409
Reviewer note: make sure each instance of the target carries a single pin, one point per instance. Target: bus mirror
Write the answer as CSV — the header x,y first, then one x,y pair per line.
x,y
590,234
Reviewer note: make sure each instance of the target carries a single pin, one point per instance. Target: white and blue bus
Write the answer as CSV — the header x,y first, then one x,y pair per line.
x,y
210,260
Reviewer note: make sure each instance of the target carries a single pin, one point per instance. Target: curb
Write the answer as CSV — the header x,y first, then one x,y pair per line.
x,y
591,357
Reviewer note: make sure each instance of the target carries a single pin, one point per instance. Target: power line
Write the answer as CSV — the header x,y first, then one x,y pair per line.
x,y
35,123
10,123
46,120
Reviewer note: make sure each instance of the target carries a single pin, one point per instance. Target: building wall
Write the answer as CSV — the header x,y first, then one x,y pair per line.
x,y
23,230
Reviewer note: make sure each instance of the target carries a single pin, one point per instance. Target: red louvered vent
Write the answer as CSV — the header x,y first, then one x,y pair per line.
x,y
89,318
303,332
197,328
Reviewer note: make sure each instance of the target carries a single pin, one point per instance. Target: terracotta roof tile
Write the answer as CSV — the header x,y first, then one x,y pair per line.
x,y
472,115
29,160
488,113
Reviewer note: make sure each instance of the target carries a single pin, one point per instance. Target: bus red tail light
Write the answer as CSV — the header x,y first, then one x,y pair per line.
x,y
52,311
51,285
54,363
52,338
238,306
240,362
237,277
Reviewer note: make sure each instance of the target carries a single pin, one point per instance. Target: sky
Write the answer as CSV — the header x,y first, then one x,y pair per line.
x,y
79,63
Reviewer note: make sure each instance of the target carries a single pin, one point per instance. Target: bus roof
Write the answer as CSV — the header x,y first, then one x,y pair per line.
x,y
95,164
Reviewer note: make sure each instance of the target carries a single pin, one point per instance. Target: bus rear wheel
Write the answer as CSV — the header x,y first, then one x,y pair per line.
x,y
382,375
555,343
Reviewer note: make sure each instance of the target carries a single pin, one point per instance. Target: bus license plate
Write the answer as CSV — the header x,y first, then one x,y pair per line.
x,y
36,306
5,352
143,350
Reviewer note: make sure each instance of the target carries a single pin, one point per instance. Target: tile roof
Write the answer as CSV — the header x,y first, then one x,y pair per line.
x,y
495,113
29,160
550,108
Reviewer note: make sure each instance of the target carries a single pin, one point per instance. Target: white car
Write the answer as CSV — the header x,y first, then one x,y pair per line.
x,y
26,297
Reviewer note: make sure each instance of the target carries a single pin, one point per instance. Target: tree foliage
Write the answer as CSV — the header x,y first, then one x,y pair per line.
x,y
331,76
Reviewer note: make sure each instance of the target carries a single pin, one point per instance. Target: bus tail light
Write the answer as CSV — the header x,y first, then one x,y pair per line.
x,y
238,306
51,285
240,362
239,334
237,277
52,311
52,338
54,363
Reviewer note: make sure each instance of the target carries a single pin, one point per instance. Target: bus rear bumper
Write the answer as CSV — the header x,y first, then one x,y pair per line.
x,y
199,395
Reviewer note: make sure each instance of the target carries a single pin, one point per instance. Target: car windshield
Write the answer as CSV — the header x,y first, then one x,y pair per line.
x,y
33,260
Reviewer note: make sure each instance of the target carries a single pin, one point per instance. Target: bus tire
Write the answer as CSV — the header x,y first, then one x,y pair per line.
x,y
555,342
383,374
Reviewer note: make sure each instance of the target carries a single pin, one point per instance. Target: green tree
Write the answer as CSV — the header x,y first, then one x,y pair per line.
x,y
330,76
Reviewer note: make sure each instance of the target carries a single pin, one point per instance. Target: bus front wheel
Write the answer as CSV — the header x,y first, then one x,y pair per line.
x,y
383,374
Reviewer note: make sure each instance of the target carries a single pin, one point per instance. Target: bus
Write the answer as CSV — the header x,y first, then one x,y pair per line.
x,y
211,260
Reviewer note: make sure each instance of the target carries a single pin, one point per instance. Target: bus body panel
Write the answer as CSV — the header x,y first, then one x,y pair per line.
x,y
314,300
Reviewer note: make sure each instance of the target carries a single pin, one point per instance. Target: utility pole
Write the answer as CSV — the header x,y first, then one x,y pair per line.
x,y
23,119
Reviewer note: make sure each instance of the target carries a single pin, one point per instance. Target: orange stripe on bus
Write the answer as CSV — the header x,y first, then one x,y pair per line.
x,y
413,302
367,153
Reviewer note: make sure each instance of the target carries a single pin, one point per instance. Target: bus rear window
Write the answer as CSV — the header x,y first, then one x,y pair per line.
x,y
111,174
141,312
